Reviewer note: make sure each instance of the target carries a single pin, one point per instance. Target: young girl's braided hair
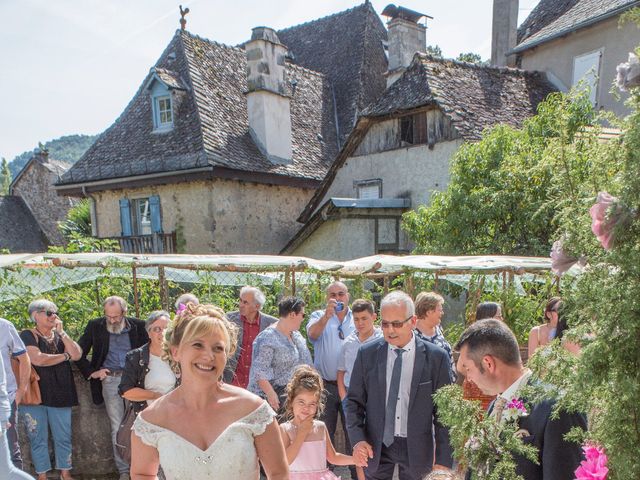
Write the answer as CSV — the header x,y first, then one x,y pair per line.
x,y
305,378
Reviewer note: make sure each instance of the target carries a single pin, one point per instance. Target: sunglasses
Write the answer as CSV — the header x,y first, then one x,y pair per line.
x,y
49,313
158,329
340,332
395,323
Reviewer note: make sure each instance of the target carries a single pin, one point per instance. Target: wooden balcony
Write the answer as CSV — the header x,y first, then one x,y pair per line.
x,y
156,243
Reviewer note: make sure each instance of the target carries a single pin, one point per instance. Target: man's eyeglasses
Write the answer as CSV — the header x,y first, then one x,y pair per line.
x,y
158,329
395,323
49,313
340,332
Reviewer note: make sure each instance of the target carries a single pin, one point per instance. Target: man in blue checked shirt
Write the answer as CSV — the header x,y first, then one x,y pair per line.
x,y
327,330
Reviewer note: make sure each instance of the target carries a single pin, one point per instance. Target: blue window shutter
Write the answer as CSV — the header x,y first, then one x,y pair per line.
x,y
125,217
156,218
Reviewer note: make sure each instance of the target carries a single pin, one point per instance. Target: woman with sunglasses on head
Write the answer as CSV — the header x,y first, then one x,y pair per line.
x,y
50,350
543,334
277,351
146,376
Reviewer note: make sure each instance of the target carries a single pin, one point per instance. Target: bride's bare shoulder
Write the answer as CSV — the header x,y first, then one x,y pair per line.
x,y
245,399
159,410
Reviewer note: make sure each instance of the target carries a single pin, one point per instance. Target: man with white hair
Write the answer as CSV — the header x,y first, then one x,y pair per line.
x,y
250,322
391,418
110,338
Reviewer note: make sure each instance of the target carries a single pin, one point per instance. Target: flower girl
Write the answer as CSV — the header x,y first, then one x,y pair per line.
x,y
306,439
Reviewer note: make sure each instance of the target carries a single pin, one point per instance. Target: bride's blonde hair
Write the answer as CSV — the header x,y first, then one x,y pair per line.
x,y
197,321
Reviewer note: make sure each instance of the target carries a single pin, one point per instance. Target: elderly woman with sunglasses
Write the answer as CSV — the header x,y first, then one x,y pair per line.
x,y
146,376
277,351
50,350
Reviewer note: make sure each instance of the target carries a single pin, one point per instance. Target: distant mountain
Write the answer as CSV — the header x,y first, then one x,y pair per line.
x,y
68,148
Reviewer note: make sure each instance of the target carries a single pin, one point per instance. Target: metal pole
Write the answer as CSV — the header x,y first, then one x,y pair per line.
x,y
164,294
136,302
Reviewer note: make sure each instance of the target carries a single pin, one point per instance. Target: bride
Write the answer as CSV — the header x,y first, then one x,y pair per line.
x,y
205,428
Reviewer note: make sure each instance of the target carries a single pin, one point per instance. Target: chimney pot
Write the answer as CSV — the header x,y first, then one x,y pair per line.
x,y
504,35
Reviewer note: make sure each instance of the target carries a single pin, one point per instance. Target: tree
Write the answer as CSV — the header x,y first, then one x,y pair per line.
x,y
507,191
434,51
5,177
470,58
78,220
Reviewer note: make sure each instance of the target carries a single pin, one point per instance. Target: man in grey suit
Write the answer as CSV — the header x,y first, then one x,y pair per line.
x,y
250,322
391,418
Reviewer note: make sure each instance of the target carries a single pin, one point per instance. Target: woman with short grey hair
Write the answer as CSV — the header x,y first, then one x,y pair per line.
x,y
185,299
146,375
51,351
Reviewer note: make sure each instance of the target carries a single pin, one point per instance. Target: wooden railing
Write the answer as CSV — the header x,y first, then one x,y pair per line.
x,y
154,243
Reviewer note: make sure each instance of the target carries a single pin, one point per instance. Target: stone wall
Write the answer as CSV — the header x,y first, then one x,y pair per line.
x,y
92,451
217,216
35,186
411,172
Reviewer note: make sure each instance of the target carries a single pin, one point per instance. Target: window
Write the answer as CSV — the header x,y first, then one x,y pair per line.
x,y
371,188
586,68
140,216
413,129
162,112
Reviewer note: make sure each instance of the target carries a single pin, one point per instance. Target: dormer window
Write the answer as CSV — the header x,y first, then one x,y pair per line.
x,y
163,86
162,112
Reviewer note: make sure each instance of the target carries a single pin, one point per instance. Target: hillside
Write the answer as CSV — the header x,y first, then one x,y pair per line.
x,y
68,148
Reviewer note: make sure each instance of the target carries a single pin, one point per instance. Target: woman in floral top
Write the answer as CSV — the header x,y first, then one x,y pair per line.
x,y
429,311
277,351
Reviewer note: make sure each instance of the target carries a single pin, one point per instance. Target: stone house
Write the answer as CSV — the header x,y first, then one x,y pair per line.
x,y
401,147
569,40
19,230
34,185
221,146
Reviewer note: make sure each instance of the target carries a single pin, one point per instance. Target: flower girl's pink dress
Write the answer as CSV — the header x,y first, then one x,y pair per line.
x,y
311,462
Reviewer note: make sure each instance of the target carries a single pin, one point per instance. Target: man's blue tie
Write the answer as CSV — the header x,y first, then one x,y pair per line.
x,y
392,399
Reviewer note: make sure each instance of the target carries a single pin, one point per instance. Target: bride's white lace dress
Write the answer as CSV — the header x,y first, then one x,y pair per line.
x,y
231,456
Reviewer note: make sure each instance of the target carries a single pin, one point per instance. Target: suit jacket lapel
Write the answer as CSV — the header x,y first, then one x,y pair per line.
x,y
382,371
419,365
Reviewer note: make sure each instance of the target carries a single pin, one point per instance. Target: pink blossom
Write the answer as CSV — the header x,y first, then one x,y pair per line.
x,y
560,261
602,225
181,308
594,467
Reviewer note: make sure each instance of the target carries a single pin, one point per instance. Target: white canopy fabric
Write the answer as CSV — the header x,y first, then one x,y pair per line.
x,y
381,264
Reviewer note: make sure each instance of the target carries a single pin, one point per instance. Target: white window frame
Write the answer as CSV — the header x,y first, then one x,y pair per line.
x,y
591,75
158,124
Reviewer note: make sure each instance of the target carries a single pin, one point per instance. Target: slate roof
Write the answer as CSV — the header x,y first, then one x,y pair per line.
x,y
348,47
553,18
210,121
57,167
19,230
474,97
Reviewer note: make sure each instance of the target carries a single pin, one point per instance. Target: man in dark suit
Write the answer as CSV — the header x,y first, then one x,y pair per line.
x,y
250,322
110,338
490,357
391,418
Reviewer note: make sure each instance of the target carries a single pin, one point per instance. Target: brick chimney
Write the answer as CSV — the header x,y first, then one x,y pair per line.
x,y
267,101
405,37
504,33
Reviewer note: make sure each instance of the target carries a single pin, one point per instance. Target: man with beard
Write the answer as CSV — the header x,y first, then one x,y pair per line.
x,y
110,338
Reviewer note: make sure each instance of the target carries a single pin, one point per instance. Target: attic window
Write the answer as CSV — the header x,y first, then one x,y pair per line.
x,y
413,129
162,112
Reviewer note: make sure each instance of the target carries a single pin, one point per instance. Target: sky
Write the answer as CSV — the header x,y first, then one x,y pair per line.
x,y
71,66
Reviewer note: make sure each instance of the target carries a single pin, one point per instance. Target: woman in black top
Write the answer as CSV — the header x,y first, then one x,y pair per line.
x,y
50,350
